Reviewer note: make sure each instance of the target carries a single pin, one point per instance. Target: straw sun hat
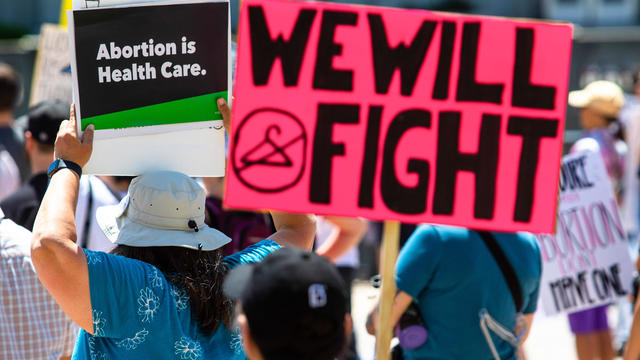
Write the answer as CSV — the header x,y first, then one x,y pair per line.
x,y
604,97
161,209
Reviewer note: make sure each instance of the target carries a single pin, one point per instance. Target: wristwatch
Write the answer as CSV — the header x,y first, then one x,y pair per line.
x,y
58,164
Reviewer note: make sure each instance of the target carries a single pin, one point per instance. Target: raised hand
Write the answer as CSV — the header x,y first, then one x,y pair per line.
x,y
68,146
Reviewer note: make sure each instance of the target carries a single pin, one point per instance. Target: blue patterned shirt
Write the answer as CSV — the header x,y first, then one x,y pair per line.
x,y
138,314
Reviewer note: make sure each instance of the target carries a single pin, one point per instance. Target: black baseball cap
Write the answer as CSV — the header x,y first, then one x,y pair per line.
x,y
43,120
295,303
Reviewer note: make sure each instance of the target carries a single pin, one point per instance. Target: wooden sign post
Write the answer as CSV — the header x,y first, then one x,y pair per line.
x,y
390,244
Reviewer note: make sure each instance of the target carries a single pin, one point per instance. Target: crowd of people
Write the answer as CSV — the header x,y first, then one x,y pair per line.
x,y
112,267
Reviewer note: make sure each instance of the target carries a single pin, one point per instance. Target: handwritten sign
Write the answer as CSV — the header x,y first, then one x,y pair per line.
x,y
52,71
398,114
152,70
587,262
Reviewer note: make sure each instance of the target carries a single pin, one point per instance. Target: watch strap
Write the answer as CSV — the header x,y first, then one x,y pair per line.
x,y
58,164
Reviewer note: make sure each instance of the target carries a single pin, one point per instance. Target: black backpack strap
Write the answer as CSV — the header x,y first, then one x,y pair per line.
x,y
505,266
84,241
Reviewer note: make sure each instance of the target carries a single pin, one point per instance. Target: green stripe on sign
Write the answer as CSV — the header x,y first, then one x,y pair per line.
x,y
193,109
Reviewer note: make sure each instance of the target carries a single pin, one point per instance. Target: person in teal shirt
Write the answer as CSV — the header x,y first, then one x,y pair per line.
x,y
159,294
451,275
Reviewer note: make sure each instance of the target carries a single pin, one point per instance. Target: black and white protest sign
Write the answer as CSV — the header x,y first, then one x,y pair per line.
x,y
587,262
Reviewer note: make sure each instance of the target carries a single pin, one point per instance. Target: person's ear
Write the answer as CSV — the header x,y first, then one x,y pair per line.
x,y
250,347
29,143
348,324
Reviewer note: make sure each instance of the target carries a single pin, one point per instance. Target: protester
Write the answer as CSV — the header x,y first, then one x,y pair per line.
x,y
43,121
9,99
632,350
599,103
9,174
454,279
293,307
162,297
31,323
337,239
630,207
630,118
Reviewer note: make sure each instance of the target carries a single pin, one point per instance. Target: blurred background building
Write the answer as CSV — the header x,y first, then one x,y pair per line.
x,y
606,42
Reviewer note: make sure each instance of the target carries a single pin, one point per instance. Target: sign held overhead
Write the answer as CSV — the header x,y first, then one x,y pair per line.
x,y
399,114
148,77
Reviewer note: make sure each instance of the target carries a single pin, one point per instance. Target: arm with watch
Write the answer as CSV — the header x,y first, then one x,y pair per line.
x,y
60,263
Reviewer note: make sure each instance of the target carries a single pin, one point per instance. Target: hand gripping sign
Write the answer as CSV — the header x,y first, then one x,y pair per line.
x,y
398,114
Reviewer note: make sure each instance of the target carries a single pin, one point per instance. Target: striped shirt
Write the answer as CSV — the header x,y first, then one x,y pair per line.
x,y
32,326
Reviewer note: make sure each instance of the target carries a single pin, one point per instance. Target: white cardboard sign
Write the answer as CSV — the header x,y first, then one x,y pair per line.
x,y
587,262
52,71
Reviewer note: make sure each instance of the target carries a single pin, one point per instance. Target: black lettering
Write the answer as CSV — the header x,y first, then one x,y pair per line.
x,y
265,50
575,179
468,88
368,172
524,93
571,178
397,197
602,290
326,77
443,75
583,171
409,60
581,288
532,131
324,149
563,178
483,164
567,288
615,281
563,295
554,291
583,285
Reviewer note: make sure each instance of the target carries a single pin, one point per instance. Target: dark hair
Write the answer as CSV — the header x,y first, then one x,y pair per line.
x,y
199,273
9,87
43,148
316,339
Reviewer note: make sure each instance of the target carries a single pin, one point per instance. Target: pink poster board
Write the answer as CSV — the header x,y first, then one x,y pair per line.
x,y
398,114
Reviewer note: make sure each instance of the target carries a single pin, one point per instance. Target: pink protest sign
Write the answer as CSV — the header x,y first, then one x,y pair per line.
x,y
398,114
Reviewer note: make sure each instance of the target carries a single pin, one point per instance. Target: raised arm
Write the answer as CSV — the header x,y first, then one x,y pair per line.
x,y
294,229
60,264
347,234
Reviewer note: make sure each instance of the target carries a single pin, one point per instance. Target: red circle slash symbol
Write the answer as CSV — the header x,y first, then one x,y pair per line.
x,y
269,152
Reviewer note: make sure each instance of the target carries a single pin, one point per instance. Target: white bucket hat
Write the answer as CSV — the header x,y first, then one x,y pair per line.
x,y
162,208
604,97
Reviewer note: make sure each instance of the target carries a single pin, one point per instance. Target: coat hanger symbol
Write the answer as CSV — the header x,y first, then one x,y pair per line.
x,y
268,152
